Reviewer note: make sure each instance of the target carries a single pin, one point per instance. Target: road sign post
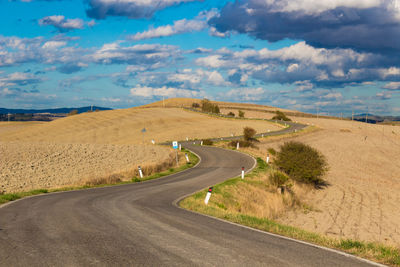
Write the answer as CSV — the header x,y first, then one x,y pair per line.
x,y
175,146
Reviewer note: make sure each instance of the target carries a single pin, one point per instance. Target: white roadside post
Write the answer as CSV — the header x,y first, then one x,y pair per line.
x,y
267,158
262,135
187,138
208,195
237,146
201,143
140,172
180,147
187,158
175,146
153,142
242,172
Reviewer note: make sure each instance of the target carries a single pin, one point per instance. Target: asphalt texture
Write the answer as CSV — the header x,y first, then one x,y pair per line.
x,y
140,225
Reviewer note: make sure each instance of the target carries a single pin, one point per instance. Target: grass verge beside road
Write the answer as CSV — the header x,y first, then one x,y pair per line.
x,y
224,195
4,198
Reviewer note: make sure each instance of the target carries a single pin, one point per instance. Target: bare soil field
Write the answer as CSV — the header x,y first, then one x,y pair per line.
x,y
362,200
28,166
72,150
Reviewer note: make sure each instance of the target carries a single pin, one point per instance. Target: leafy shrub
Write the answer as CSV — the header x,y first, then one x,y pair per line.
x,y
231,114
241,114
302,163
73,112
248,133
278,179
271,151
208,142
195,105
207,106
280,116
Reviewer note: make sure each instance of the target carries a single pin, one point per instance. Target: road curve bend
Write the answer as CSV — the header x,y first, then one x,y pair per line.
x,y
137,224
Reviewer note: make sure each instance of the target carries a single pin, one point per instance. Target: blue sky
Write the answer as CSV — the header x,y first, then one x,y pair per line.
x,y
337,56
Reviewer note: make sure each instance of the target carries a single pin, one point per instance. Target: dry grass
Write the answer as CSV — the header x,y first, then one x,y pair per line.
x,y
362,200
124,127
97,146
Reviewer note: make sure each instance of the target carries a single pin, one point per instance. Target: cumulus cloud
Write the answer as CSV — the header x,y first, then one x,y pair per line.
x,y
364,25
18,79
149,92
301,62
100,9
15,50
199,23
61,23
150,56
244,94
392,86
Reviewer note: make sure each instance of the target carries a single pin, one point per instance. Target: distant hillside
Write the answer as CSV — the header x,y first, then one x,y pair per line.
x,y
376,118
52,111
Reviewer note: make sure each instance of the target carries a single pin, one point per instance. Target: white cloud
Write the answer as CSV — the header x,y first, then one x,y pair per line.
x,y
244,94
392,86
315,7
100,9
145,91
53,44
61,23
180,26
213,61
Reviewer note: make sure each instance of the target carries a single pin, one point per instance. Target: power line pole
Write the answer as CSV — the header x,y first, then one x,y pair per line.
x,y
352,115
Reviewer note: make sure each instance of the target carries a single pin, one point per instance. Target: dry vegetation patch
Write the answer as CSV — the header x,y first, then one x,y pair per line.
x,y
27,166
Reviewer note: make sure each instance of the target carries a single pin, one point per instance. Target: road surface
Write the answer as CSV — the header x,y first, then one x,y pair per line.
x,y
138,225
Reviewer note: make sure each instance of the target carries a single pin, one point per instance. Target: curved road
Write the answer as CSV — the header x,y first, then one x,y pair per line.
x,y
138,224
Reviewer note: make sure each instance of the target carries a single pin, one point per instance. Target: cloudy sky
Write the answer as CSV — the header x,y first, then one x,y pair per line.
x,y
332,55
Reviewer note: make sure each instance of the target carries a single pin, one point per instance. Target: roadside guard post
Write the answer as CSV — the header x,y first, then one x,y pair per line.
x,y
140,172
267,158
242,172
187,158
208,195
175,146
237,146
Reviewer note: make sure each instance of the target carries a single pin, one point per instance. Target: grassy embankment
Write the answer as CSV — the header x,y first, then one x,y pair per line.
x,y
103,182
241,201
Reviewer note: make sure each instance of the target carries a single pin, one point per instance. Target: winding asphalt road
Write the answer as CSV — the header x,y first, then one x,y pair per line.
x,y
139,224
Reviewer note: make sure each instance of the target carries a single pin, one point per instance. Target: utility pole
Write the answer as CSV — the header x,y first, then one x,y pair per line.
x,y
9,117
352,115
91,108
163,102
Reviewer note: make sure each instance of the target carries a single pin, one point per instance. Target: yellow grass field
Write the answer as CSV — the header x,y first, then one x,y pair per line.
x,y
73,150
362,201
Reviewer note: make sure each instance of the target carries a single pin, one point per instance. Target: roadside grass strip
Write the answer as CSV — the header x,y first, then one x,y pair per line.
x,y
222,197
4,198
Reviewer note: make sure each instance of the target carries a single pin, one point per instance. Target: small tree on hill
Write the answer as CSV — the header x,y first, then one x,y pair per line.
x,y
248,133
280,116
207,106
241,114
231,114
